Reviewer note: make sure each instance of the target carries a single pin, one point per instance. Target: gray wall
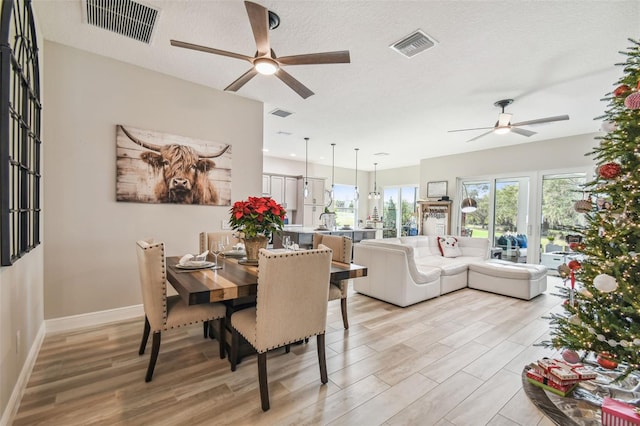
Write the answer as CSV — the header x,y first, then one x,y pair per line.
x,y
553,154
89,257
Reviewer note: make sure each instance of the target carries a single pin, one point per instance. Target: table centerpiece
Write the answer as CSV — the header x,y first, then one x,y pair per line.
x,y
256,219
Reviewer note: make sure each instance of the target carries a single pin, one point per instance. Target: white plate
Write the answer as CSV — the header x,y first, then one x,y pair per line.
x,y
195,264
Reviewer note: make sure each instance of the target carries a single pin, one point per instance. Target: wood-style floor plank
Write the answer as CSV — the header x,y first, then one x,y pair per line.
x,y
453,360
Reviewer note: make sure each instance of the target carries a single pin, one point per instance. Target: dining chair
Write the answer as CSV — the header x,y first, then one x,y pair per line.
x,y
341,247
291,305
206,238
162,313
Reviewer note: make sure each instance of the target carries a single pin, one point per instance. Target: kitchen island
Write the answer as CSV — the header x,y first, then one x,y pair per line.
x,y
303,236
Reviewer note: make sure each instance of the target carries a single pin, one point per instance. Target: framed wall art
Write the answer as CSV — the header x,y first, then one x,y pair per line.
x,y
436,189
154,167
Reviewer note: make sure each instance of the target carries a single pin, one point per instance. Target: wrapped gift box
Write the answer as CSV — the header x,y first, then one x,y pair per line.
x,y
617,413
534,377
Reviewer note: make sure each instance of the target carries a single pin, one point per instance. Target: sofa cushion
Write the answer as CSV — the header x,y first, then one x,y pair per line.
x,y
449,246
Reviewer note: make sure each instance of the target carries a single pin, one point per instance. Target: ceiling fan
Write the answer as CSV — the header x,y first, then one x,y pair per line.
x,y
504,124
265,60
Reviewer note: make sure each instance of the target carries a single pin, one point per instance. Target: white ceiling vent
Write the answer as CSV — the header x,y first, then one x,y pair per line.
x,y
280,113
413,44
124,17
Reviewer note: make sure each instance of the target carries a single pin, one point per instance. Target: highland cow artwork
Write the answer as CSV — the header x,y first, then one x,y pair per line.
x,y
155,167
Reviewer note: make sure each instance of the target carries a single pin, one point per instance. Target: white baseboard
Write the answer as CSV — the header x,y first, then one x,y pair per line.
x,y
74,322
18,390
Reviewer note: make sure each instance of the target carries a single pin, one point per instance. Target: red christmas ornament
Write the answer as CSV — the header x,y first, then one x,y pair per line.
x,y
610,170
576,246
571,356
605,360
633,101
574,265
621,90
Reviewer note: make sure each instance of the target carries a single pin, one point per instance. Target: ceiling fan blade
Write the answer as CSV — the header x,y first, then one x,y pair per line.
x,y
298,87
479,136
242,80
339,57
259,19
465,130
541,120
210,50
523,132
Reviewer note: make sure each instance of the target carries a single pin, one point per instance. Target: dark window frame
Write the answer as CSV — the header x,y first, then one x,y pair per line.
x,y
20,131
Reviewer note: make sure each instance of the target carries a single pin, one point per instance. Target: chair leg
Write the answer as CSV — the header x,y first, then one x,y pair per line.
x,y
145,335
235,342
221,337
322,360
343,307
205,329
287,349
155,348
262,378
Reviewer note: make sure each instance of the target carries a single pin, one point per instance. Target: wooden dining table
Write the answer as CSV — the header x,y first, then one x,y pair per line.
x,y
235,285
235,281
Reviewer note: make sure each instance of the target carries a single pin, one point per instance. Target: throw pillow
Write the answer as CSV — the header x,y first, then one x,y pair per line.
x,y
449,247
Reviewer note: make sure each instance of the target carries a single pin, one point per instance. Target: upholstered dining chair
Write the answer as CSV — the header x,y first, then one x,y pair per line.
x,y
164,313
341,247
206,238
291,305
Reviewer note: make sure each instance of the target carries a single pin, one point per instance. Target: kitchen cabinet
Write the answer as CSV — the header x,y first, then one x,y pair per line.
x,y
316,192
312,214
283,189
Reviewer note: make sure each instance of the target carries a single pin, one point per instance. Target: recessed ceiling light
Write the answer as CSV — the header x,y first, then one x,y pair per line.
x,y
292,155
381,153
265,150
282,132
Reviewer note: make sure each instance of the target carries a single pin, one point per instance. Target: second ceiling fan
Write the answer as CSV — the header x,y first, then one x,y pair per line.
x,y
504,124
265,60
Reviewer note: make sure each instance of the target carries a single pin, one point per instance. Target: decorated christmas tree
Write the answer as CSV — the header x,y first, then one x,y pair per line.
x,y
603,315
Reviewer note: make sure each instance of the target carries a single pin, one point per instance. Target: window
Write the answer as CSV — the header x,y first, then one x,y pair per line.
x,y
344,205
20,112
399,215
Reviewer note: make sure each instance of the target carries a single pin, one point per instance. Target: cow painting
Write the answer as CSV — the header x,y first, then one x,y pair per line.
x,y
170,172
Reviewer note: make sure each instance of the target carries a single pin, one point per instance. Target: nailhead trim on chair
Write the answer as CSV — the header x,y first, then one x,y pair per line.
x,y
265,253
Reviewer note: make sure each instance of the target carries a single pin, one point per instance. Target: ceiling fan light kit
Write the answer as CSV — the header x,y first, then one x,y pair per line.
x,y
265,61
266,66
504,124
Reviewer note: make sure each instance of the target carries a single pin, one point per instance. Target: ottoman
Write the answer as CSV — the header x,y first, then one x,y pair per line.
x,y
521,280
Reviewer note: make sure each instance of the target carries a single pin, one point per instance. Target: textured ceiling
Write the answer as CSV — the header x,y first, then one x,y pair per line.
x,y
552,57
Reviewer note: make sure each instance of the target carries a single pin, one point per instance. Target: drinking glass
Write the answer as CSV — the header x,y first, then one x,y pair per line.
x,y
286,242
217,247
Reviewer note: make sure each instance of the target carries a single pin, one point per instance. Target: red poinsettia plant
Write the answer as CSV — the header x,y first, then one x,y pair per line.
x,y
257,216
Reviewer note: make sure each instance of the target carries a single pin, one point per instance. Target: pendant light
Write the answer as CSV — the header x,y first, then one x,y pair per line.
x,y
333,168
306,167
356,196
375,194
468,205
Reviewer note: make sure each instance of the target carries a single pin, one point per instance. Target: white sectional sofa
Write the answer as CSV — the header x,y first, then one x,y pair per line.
x,y
408,270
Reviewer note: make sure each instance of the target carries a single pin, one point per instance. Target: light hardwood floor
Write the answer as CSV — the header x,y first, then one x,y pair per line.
x,y
453,360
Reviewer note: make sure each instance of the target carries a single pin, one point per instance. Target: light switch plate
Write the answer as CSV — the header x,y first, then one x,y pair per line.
x,y
224,224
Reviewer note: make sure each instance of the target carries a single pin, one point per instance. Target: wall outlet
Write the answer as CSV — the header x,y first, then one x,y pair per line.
x,y
18,342
224,224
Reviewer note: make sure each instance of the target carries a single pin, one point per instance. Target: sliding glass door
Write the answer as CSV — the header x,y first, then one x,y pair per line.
x,y
399,211
501,214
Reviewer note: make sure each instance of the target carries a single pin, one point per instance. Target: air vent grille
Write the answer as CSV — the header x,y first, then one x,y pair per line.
x,y
124,17
280,113
413,44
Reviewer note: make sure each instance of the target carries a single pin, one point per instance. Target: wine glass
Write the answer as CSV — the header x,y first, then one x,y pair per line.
x,y
286,242
217,247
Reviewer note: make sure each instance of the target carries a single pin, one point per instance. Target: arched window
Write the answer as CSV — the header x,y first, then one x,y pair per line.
x,y
20,116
